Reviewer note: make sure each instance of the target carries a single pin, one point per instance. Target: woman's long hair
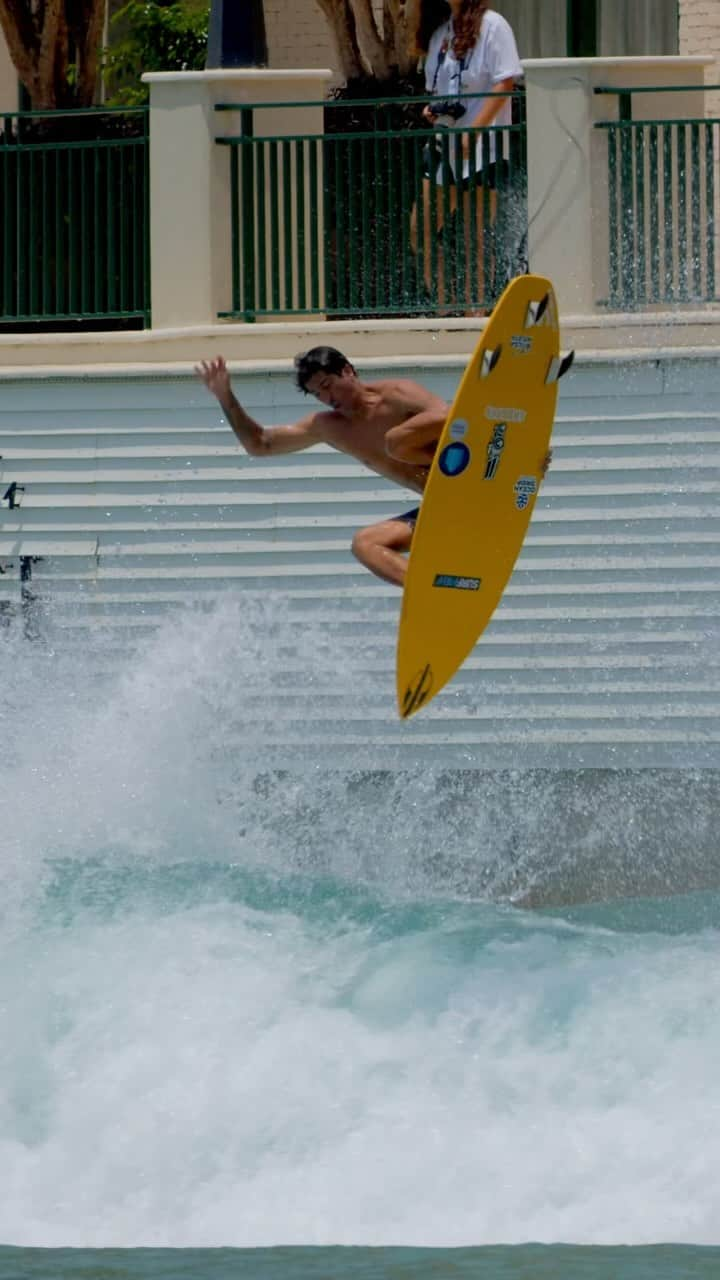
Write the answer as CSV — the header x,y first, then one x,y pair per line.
x,y
433,13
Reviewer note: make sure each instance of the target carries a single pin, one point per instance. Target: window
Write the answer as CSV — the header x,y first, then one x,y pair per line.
x,y
590,28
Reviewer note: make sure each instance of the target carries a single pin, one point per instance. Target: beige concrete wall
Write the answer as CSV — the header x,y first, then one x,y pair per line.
x,y
700,33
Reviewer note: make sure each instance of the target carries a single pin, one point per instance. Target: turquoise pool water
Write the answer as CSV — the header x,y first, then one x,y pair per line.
x,y
251,1015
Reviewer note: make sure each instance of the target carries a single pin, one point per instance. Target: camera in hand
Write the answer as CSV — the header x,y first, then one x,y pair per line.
x,y
448,107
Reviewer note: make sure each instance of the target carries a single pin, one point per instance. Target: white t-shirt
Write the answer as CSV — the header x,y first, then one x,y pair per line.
x,y
493,58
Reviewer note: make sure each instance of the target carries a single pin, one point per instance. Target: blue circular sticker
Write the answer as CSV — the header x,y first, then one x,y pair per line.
x,y
454,458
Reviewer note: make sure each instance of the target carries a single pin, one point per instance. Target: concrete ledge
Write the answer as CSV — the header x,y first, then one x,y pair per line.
x,y
380,342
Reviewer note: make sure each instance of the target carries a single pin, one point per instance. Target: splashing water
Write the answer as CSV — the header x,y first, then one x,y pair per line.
x,y
245,1004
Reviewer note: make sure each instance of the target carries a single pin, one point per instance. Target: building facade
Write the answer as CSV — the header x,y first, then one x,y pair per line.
x,y
551,29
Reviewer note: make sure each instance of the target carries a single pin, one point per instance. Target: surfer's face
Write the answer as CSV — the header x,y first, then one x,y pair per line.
x,y
332,389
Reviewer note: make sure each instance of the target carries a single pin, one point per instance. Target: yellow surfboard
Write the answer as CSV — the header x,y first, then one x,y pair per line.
x,y
481,490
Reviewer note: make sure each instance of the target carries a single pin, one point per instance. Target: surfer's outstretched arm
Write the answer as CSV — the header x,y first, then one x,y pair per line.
x,y
254,438
414,440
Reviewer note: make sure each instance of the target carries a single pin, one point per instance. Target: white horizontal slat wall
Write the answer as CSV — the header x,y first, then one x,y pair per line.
x,y
603,653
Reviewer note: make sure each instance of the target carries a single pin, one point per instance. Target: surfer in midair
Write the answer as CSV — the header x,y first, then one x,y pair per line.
x,y
392,426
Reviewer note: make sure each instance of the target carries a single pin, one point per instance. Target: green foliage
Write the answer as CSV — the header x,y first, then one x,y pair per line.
x,y
153,36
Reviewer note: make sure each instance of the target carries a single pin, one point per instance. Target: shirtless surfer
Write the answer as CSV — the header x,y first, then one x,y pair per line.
x,y
392,426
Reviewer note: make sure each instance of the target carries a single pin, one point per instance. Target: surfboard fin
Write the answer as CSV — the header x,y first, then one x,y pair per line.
x,y
489,360
558,367
536,311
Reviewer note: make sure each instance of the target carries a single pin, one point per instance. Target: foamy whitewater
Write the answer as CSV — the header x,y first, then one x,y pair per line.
x,y
249,1006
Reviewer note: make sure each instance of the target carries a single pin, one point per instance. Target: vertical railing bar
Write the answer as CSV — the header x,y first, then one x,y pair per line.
x,y
110,229
472,265
710,208
654,200
45,221
301,169
137,227
236,228
640,242
61,301
123,301
97,273
262,293
696,243
249,212
315,243
30,243
669,212
613,228
11,185
681,138
457,222
487,228
627,216
146,296
367,289
381,225
420,220
401,273
72,235
275,225
288,224
341,232
446,229
352,243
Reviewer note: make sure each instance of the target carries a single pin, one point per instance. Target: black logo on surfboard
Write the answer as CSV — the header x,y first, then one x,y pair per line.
x,y
418,691
494,450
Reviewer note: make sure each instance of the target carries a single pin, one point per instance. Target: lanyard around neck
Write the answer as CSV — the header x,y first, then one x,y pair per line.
x,y
442,54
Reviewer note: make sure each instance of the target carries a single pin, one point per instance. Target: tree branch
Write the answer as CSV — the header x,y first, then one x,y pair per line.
x,y
85,20
372,46
18,24
400,18
341,18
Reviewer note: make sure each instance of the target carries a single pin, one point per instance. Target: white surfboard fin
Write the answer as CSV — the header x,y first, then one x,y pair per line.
x,y
559,366
489,360
536,311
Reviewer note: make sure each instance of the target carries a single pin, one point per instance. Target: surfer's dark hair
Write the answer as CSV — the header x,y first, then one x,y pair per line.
x,y
319,360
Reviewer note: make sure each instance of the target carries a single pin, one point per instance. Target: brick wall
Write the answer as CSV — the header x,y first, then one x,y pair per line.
x,y
298,35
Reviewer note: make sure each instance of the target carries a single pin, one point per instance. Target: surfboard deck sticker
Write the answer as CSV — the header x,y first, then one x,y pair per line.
x,y
481,490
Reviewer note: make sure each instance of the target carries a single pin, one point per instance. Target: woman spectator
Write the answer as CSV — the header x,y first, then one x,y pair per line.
x,y
470,50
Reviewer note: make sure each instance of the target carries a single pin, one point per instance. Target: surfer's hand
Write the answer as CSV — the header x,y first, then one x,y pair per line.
x,y
215,375
545,464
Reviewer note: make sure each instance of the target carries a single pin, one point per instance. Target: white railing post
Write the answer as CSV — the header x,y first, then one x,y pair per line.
x,y
567,159
190,215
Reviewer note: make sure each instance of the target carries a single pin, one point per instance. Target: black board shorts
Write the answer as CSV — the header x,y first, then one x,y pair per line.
x,y
408,517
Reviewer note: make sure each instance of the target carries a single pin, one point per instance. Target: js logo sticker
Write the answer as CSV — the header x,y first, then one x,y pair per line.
x,y
494,451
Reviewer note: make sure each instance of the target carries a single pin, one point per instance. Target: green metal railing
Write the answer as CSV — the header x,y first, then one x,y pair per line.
x,y
662,204
339,223
74,240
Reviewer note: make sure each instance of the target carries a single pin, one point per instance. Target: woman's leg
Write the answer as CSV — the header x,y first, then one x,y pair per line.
x,y
432,224
475,228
